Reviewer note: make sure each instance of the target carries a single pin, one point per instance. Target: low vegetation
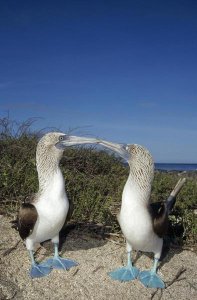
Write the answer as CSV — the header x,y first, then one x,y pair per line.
x,y
94,182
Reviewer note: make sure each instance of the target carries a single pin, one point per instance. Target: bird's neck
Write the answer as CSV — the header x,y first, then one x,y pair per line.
x,y
136,192
49,174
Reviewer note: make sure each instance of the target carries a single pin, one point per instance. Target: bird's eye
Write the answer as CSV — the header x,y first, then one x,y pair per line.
x,y
61,138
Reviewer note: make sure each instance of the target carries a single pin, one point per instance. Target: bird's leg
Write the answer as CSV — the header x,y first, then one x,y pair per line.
x,y
58,262
62,263
151,278
154,268
129,260
127,273
38,270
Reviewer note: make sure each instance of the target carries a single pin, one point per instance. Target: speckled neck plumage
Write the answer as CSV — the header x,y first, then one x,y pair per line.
x,y
47,161
141,169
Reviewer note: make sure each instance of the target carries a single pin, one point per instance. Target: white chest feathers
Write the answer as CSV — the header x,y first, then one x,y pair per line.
x,y
135,220
52,207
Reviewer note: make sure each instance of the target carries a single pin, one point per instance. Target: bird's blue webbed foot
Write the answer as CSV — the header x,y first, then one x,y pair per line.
x,y
151,279
124,274
38,270
127,273
58,262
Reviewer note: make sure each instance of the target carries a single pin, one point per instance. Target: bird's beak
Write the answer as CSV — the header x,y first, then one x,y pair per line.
x,y
121,149
71,140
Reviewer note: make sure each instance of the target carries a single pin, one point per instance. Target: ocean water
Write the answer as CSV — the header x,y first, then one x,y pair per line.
x,y
175,167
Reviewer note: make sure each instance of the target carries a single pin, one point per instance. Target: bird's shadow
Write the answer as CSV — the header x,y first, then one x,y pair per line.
x,y
170,245
168,252
78,236
84,236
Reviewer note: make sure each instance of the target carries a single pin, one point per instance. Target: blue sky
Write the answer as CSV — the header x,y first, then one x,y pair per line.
x,y
125,71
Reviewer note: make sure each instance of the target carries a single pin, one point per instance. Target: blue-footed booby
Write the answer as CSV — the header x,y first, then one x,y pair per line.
x,y
142,225
43,218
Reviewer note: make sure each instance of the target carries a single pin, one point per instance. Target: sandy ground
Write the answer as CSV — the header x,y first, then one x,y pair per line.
x,y
89,280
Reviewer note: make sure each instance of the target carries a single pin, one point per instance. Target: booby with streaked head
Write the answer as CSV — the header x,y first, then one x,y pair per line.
x,y
43,218
142,225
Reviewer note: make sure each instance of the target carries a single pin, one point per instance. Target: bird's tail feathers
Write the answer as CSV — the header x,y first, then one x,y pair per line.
x,y
172,198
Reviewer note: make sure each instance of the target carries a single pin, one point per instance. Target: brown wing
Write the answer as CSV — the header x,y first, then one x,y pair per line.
x,y
159,215
160,211
27,218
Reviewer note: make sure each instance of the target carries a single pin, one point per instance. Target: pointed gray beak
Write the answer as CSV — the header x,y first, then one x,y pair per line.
x,y
121,149
71,140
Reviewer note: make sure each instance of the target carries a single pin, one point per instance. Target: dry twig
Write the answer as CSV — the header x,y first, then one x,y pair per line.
x,y
97,268
175,279
77,270
8,251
